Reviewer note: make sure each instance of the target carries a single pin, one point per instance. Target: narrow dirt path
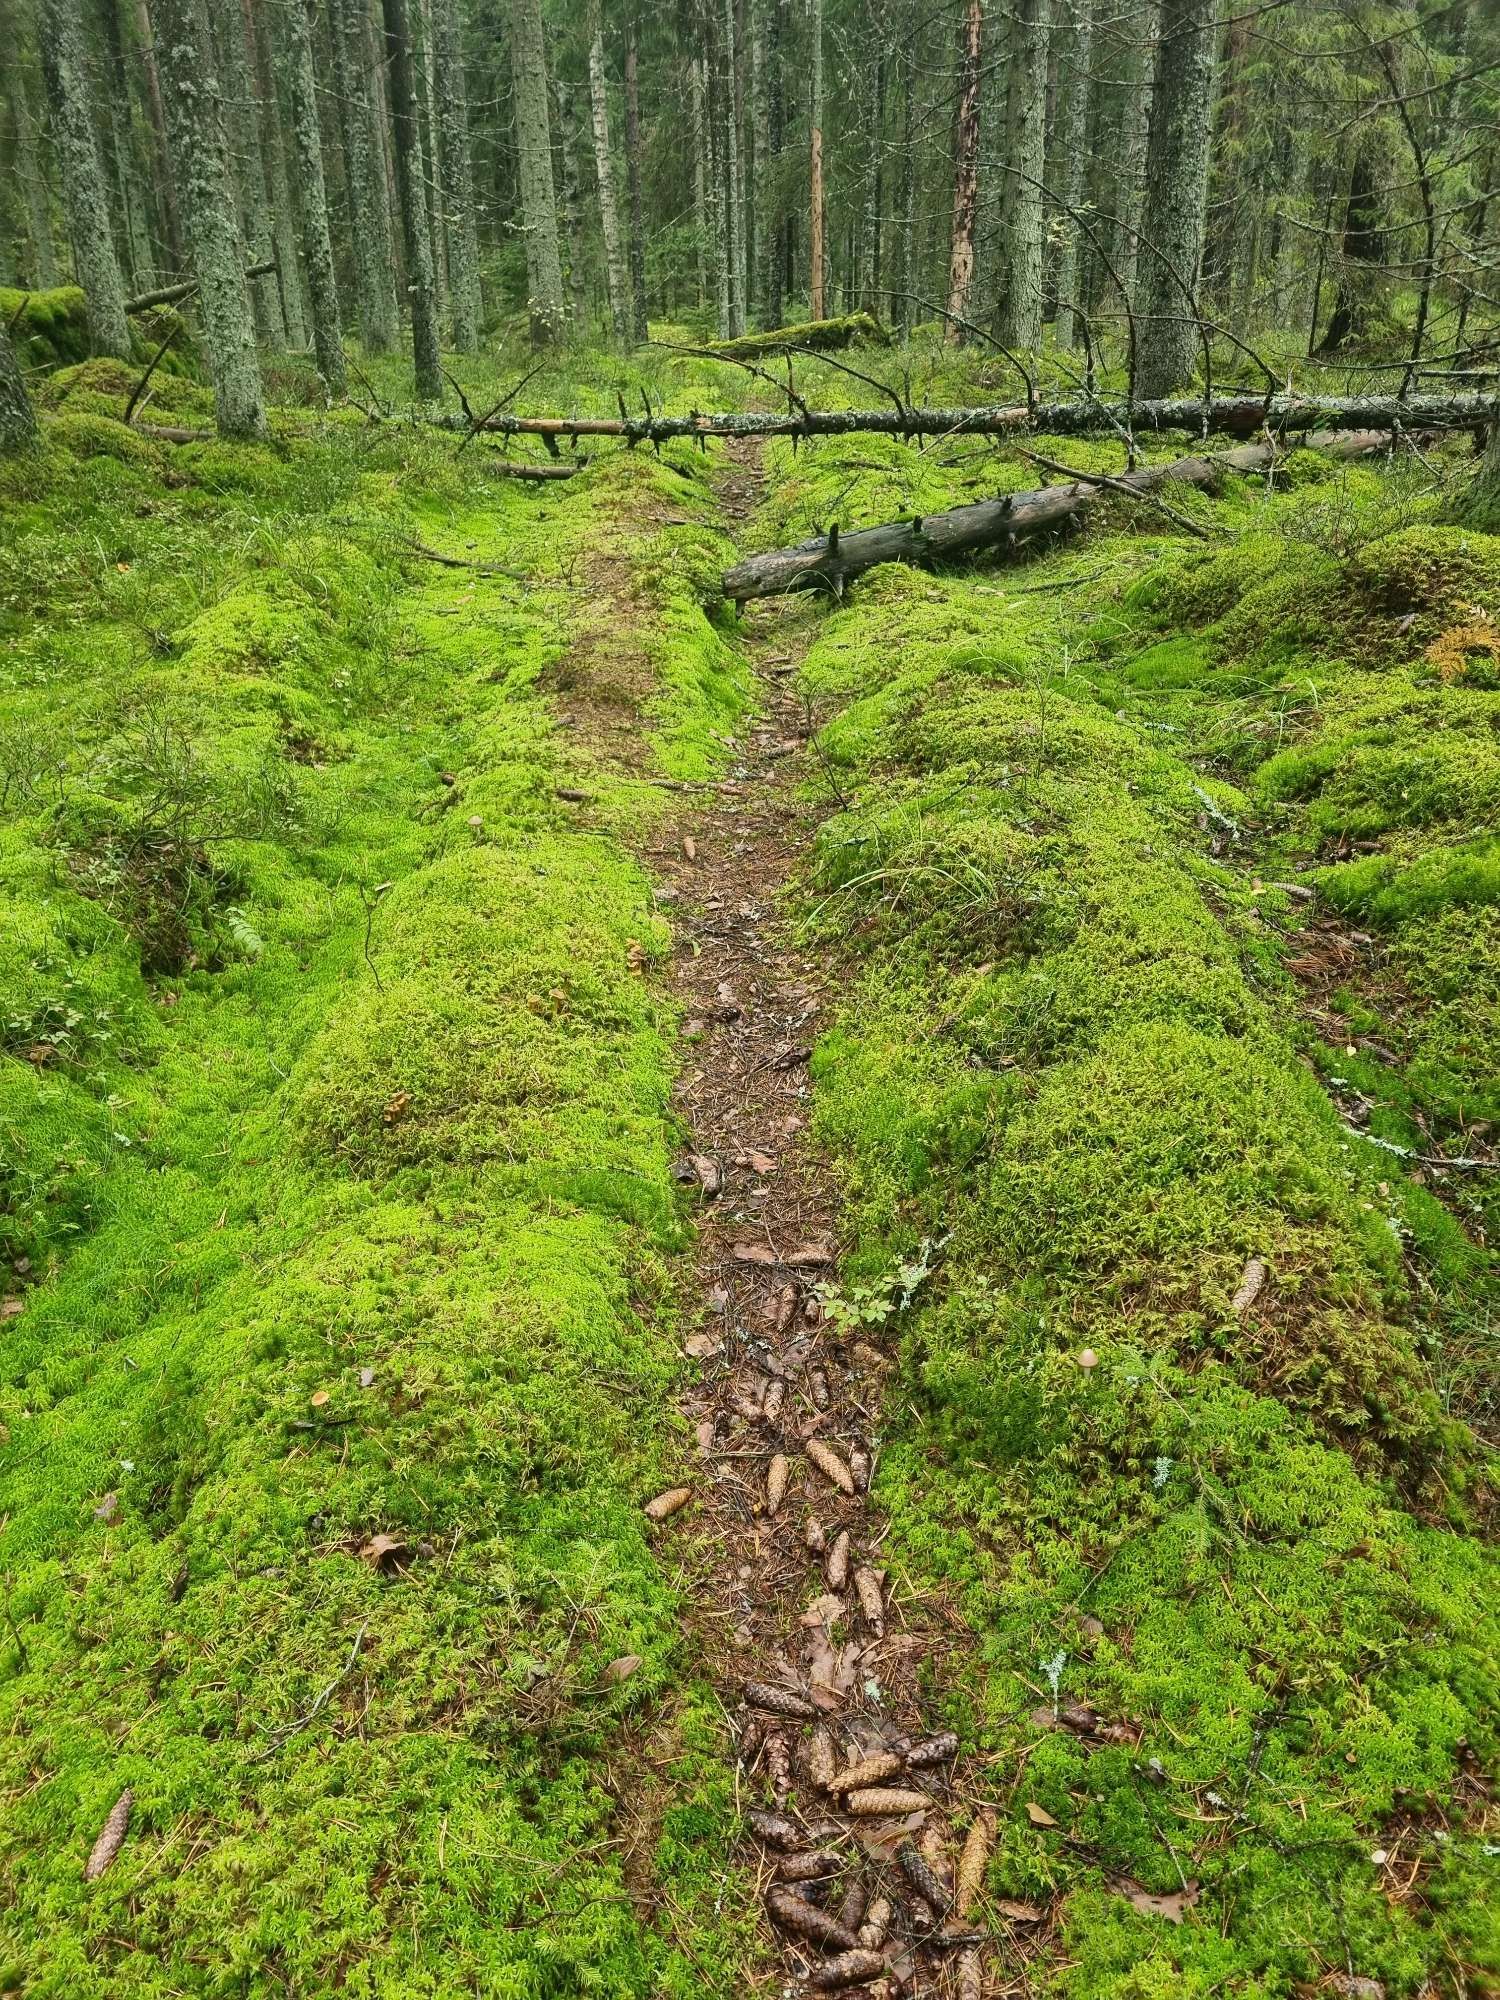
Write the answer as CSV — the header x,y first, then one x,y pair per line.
x,y
856,1805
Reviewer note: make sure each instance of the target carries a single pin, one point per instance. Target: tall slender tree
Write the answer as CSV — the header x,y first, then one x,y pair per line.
x,y
615,279
732,191
1171,248
816,256
411,186
163,178
1065,166
633,177
200,157
43,271
965,168
1018,322
85,195
242,117
457,175
312,195
17,417
528,61
571,200
364,174
285,214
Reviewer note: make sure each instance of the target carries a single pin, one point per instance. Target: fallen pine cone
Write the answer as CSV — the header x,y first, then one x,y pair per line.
x,y
779,1701
810,1867
828,1462
871,1600
852,1909
806,1920
876,1926
970,1982
813,1534
932,1750
1252,1279
668,1503
778,1767
978,1845
922,1876
848,1969
860,1467
771,1402
776,1482
820,1761
111,1837
886,1802
872,1770
836,1569
817,1382
775,1829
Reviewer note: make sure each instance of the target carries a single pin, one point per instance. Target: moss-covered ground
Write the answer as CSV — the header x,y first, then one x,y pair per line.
x,y
339,1245
336,1222
1226,1562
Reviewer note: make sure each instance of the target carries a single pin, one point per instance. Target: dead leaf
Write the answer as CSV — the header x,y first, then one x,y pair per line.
x,y
710,1175
1020,1913
700,1345
754,1253
690,848
620,1669
11,1308
1174,1908
383,1551
367,1378
108,1507
1038,1815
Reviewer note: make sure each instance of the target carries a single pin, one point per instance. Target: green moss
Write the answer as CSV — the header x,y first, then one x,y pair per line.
x,y
348,1215
1070,1054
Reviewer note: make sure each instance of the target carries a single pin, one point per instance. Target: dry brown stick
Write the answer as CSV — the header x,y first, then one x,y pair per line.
x,y
1115,485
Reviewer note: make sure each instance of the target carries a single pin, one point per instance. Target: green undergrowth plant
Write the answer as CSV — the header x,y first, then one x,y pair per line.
x,y
1175,1439
337,1227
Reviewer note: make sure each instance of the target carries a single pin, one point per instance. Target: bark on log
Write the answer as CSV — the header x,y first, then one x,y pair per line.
x,y
1233,416
824,335
170,295
828,562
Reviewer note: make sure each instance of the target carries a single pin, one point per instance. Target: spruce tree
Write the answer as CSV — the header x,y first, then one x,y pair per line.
x,y
528,63
312,195
85,194
1171,247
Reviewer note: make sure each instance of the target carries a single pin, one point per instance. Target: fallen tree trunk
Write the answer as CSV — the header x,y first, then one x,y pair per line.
x,y
1234,416
171,295
828,562
824,336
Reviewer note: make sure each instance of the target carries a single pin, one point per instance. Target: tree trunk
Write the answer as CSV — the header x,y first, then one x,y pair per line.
x,y
965,171
457,176
698,90
1019,320
364,174
200,159
274,150
771,208
242,126
164,185
733,190
572,202
639,331
137,259
84,193
615,279
528,57
312,196
1176,195
905,285
1480,506
816,300
419,19
872,267
411,178
43,269
1067,178
1361,248
17,418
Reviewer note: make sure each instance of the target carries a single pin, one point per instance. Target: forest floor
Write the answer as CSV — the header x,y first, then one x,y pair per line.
x,y
531,1107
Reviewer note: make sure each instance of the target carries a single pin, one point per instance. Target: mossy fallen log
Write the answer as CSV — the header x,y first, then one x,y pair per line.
x,y
823,336
1231,416
829,561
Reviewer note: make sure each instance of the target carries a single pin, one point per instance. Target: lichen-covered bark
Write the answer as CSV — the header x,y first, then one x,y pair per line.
x,y
528,60
1018,321
604,173
205,192
571,201
85,195
965,171
457,177
43,272
242,129
274,136
1171,246
364,173
411,179
1066,176
638,327
312,195
815,291
17,418
164,185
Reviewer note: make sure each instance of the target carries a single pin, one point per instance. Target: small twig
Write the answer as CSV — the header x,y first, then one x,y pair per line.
x,y
371,899
374,392
290,1729
476,426
456,562
139,390
1115,486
